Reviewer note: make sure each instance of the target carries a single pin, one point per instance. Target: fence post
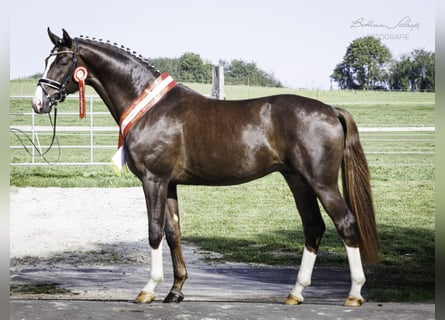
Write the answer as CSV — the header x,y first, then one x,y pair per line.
x,y
218,82
91,131
33,134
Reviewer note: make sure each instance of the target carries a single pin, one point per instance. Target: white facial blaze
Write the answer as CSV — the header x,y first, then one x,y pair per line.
x,y
51,60
38,95
37,100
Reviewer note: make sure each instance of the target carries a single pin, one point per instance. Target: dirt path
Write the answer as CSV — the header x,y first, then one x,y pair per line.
x,y
88,243
45,221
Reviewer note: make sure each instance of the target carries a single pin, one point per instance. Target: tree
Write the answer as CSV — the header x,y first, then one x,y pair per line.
x,y
192,68
343,75
364,65
400,74
424,69
241,72
413,72
167,64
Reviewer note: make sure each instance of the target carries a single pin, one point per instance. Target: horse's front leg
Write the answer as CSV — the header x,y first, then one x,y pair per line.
x,y
155,196
173,235
147,294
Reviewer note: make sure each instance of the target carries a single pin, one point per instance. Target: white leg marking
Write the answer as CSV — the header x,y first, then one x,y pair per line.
x,y
304,274
157,270
357,275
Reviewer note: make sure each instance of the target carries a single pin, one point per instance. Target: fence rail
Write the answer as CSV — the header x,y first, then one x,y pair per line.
x,y
33,133
98,140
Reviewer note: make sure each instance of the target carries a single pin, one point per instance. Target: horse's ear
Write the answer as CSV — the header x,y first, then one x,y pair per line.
x,y
54,39
67,41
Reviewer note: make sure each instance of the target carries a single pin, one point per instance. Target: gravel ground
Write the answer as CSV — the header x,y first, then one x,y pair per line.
x,y
45,221
93,244
83,253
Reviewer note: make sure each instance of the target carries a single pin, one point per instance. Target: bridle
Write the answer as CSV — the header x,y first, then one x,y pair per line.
x,y
61,89
60,86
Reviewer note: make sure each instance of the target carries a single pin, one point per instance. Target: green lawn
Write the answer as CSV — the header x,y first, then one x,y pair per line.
x,y
257,222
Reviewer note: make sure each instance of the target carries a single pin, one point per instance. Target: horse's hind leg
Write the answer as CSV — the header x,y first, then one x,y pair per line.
x,y
314,228
173,235
346,225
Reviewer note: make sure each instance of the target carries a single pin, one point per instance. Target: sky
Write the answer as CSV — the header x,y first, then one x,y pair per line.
x,y
299,42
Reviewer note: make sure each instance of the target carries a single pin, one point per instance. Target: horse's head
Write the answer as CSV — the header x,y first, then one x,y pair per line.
x,y
57,80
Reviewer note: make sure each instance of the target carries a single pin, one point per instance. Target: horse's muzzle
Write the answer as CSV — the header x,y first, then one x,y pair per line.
x,y
40,103
37,105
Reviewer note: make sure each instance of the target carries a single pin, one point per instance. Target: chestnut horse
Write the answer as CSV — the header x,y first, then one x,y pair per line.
x,y
186,138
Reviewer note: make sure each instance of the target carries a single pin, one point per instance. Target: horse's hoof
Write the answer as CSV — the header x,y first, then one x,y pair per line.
x,y
144,297
352,301
293,300
174,297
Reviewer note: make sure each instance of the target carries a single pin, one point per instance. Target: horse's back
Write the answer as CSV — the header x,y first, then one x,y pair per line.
x,y
227,142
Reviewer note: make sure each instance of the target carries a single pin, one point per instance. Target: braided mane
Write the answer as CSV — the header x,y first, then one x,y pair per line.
x,y
123,48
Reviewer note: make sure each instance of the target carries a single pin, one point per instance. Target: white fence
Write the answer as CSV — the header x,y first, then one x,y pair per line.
x,y
109,133
32,132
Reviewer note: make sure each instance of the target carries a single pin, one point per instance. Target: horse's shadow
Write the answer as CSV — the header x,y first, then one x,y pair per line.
x,y
118,270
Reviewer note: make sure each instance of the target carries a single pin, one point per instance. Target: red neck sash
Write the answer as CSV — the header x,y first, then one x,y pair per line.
x,y
147,100
149,97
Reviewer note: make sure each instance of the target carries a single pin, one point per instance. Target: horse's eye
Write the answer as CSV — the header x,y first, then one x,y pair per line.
x,y
62,63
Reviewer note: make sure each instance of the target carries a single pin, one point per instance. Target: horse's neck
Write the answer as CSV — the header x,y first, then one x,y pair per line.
x,y
117,76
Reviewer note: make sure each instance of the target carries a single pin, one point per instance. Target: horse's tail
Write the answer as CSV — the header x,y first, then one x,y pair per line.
x,y
357,188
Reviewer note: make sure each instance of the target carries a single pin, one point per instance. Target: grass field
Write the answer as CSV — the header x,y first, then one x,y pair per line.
x,y
257,222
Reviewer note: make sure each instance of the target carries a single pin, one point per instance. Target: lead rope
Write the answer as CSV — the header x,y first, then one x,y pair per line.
x,y
54,138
